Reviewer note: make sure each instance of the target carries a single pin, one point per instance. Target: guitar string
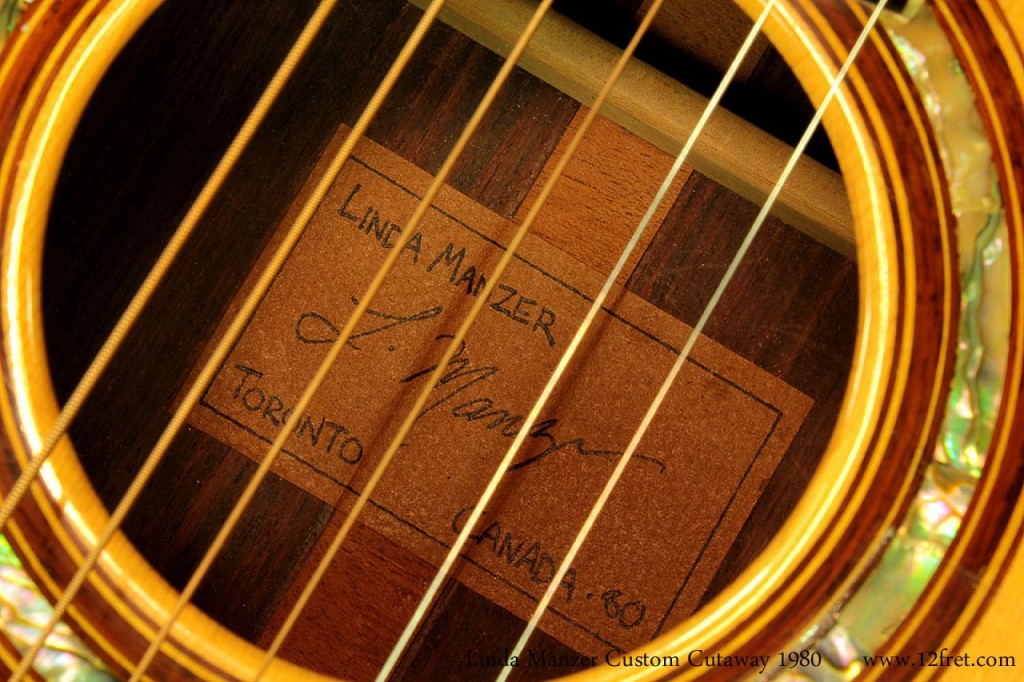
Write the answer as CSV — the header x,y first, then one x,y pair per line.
x,y
596,306
237,326
598,506
163,264
412,414
339,344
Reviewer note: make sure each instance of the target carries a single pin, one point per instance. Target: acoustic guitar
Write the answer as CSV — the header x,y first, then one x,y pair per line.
x,y
476,339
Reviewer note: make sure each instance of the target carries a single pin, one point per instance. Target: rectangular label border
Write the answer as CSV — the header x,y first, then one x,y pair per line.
x,y
203,402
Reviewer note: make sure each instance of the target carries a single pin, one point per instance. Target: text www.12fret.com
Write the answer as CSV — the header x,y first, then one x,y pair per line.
x,y
939,659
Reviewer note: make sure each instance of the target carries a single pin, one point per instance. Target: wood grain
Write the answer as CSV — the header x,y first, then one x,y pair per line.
x,y
603,194
713,31
797,323
664,112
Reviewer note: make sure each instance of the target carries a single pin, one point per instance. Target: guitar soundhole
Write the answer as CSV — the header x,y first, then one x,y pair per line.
x,y
770,376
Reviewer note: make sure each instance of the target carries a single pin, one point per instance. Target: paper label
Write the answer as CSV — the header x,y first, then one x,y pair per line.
x,y
677,509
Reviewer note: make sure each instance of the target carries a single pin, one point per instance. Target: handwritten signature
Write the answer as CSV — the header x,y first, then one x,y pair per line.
x,y
461,376
314,328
